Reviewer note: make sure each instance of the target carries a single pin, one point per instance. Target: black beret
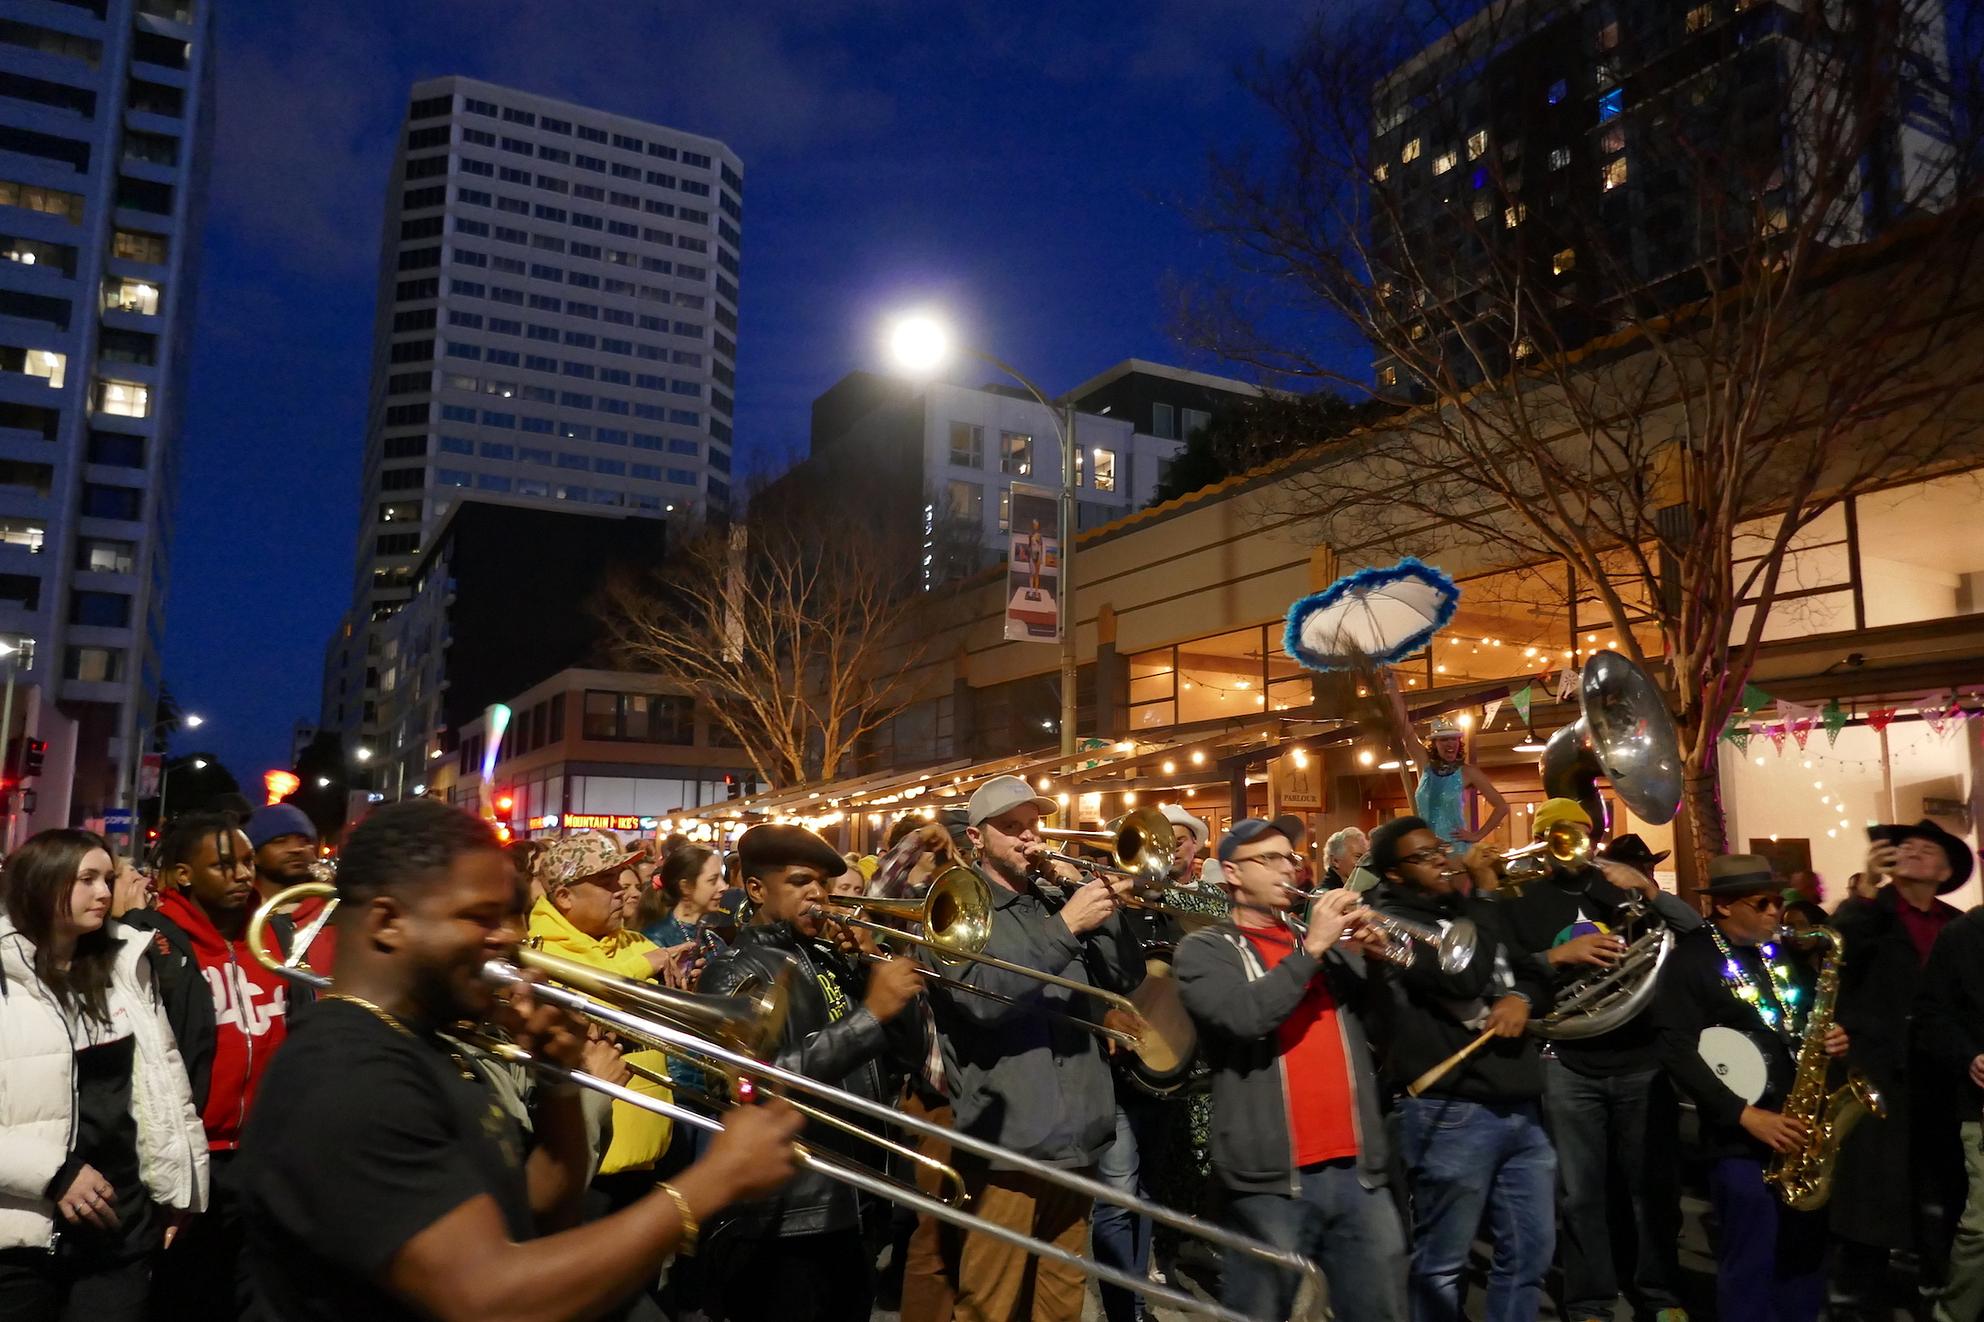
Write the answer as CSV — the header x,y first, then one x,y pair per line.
x,y
771,846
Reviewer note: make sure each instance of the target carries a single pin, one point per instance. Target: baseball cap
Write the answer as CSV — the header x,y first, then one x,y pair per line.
x,y
1002,794
580,854
1244,832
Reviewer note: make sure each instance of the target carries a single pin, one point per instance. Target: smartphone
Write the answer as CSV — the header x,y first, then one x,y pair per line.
x,y
1883,835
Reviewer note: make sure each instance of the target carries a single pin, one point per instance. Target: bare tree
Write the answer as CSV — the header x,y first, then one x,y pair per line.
x,y
798,634
1665,282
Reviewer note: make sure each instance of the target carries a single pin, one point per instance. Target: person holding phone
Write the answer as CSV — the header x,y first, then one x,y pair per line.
x,y
1898,1178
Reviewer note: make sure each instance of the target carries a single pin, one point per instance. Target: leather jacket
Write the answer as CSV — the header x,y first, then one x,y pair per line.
x,y
830,1036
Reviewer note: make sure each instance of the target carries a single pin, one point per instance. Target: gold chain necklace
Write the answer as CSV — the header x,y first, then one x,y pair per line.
x,y
393,1021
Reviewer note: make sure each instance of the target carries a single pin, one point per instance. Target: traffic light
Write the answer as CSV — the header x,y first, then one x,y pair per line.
x,y
731,788
37,752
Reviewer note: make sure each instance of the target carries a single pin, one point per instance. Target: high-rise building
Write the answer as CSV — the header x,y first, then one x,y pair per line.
x,y
1588,162
556,327
105,121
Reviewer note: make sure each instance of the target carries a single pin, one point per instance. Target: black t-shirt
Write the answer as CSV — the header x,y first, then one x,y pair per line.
x,y
362,1137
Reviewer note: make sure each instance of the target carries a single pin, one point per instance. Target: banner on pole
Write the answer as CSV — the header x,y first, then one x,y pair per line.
x,y
1033,565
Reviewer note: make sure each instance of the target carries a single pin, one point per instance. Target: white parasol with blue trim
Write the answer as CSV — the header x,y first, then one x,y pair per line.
x,y
1376,616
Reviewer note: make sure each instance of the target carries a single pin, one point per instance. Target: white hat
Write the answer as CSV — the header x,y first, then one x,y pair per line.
x,y
1196,825
1002,794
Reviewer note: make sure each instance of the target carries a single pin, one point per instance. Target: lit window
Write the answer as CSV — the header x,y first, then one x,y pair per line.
x,y
1016,453
1608,37
1482,206
1105,469
1700,17
125,399
1410,153
1564,261
1388,376
1418,330
1515,215
1615,173
47,364
1005,510
1383,172
1558,91
1559,157
967,445
1477,143
1445,161
1611,104
1525,348
126,295
1613,142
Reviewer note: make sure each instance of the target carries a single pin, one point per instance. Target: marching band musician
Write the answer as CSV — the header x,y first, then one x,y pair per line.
x,y
1475,1143
1298,1137
382,1178
799,1254
1031,1083
1727,974
1607,1099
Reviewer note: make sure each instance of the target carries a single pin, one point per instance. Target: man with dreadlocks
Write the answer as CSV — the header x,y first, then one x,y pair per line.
x,y
229,1015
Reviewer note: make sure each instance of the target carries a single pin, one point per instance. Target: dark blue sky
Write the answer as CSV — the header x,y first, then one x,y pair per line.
x,y
1027,166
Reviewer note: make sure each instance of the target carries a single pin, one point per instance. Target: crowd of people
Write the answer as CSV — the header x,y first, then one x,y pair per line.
x,y
188,1131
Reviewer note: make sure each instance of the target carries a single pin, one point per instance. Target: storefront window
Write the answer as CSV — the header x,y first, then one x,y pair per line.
x,y
1508,625
1920,555
1222,676
1814,588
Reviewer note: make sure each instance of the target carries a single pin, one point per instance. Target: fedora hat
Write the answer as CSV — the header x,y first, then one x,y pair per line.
x,y
1632,851
1740,874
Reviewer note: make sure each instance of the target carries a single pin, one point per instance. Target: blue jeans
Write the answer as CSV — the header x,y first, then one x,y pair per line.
x,y
1769,1260
1630,1118
1118,1237
1351,1232
1462,1158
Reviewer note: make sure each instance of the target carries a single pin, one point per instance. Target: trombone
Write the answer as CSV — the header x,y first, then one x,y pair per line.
x,y
1140,845
501,973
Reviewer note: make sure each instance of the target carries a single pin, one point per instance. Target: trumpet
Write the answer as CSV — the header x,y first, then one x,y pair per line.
x,y
1564,844
658,1028
1140,845
1454,947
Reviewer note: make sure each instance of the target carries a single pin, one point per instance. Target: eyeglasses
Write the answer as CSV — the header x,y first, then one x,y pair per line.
x,y
1423,857
1762,902
1274,860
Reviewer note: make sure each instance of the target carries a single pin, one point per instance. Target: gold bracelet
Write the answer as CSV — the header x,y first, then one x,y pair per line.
x,y
691,1228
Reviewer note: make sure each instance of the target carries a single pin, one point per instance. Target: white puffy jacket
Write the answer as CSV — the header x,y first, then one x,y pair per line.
x,y
38,1090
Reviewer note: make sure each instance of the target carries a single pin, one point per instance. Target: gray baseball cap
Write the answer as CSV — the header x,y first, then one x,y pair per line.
x,y
1002,794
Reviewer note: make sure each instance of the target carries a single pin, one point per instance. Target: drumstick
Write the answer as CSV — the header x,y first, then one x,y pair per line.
x,y
1441,1070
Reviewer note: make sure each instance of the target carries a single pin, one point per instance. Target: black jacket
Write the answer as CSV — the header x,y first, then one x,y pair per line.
x,y
1878,985
1238,1003
1539,915
1693,997
1949,1012
830,1036
189,1005
1435,1014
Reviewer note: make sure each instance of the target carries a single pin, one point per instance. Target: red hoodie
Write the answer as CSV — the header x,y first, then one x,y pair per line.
x,y
251,1018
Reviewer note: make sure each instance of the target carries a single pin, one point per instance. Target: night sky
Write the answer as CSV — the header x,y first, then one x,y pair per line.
x,y
1027,166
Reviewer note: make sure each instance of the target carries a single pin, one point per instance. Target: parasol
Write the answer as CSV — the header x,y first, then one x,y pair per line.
x,y
1376,616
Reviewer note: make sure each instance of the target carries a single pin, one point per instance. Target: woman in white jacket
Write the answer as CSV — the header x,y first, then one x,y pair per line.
x,y
99,1138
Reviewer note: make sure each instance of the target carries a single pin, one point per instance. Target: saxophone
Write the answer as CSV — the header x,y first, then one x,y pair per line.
x,y
1802,1178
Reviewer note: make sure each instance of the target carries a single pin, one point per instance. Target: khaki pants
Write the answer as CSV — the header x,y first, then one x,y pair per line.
x,y
929,1273
998,1282
1962,1300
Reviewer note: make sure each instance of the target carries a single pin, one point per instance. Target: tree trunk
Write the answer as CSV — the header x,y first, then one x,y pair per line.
x,y
1703,830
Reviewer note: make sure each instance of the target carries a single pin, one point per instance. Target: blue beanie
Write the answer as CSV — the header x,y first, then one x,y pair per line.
x,y
279,819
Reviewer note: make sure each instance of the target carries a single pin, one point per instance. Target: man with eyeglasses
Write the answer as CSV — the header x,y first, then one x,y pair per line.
x,y
1299,1139
1610,1108
1729,1017
1473,1143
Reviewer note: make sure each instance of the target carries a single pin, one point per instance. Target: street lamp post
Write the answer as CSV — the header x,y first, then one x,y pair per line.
x,y
921,345
191,721
12,654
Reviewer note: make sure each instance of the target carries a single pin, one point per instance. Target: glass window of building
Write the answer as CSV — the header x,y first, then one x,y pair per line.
x,y
1192,422
104,555
138,246
1105,469
1814,583
124,399
967,445
94,665
46,364
123,294
21,532
1914,562
966,501
1016,453
1163,422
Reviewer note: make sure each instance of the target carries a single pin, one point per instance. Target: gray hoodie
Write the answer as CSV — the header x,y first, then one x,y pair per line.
x,y
1238,1004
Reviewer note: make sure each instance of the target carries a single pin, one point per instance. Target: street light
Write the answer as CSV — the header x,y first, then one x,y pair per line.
x,y
920,344
361,754
190,721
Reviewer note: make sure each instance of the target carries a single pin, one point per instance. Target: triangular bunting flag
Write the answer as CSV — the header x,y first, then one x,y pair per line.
x,y
1754,699
1799,720
1567,684
1834,719
1521,699
1775,733
1879,718
1488,716
1737,734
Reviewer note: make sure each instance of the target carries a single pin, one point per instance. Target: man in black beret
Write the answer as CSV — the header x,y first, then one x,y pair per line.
x,y
1900,1179
800,1254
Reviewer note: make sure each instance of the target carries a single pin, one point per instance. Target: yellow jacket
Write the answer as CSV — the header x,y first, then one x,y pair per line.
x,y
639,1137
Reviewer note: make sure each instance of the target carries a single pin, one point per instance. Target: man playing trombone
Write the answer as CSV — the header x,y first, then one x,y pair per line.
x,y
800,1255
1298,1138
1034,1083
382,1179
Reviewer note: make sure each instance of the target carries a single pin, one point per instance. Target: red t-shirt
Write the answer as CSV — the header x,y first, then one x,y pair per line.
x,y
1322,1114
1923,925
